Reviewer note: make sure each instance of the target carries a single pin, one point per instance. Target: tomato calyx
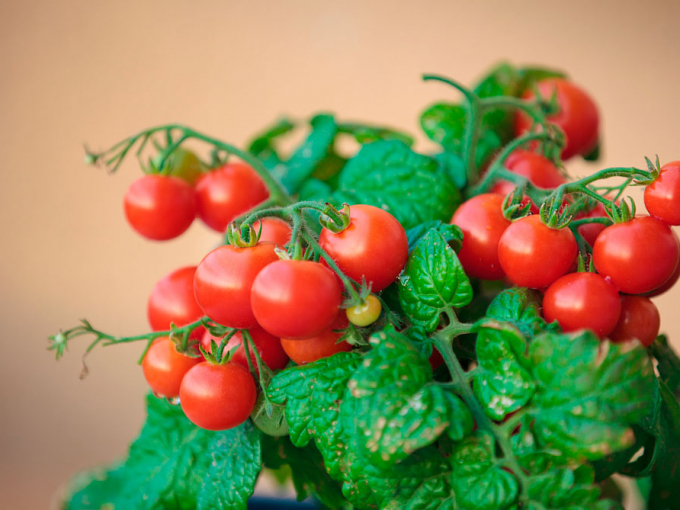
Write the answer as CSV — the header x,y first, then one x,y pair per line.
x,y
554,216
623,212
244,237
515,206
334,220
654,169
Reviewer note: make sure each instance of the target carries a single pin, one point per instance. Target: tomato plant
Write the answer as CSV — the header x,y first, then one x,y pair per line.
x,y
373,246
223,281
160,207
295,299
164,367
217,397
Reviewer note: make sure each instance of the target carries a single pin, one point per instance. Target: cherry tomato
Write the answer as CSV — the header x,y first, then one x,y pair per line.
x,y
540,171
295,299
583,301
323,345
267,345
160,207
274,231
639,319
670,283
482,222
591,231
534,255
225,193
436,359
578,116
639,255
172,301
164,367
374,246
662,197
223,280
366,313
182,163
217,397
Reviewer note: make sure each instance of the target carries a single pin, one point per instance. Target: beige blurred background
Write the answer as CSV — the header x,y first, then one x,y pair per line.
x,y
77,71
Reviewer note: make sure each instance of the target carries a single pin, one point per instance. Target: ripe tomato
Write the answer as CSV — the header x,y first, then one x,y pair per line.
x,y
295,299
223,279
662,197
160,207
534,255
374,246
172,301
274,231
670,283
578,116
225,193
164,367
590,231
639,319
639,255
540,171
217,397
365,314
482,222
323,345
267,345
583,301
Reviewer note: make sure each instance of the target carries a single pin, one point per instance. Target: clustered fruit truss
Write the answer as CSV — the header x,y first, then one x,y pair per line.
x,y
471,329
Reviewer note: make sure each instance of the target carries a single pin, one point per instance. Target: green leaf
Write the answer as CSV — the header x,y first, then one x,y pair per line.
x,y
588,393
479,482
389,175
307,470
312,395
432,281
453,166
668,363
393,407
95,490
504,383
317,146
234,466
167,462
452,233
520,307
264,145
364,133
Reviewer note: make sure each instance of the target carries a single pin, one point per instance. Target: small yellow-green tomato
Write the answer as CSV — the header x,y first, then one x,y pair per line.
x,y
366,313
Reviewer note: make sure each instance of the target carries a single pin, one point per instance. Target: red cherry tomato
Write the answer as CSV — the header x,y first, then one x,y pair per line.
x,y
223,280
639,319
267,345
172,301
583,301
274,231
482,222
374,246
639,255
540,171
670,283
578,116
295,299
323,345
164,367
591,231
160,207
217,397
534,255
662,197
225,193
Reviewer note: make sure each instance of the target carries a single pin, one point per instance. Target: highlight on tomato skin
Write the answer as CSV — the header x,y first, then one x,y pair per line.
x,y
164,367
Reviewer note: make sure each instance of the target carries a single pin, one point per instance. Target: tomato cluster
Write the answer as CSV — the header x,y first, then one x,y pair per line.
x,y
291,310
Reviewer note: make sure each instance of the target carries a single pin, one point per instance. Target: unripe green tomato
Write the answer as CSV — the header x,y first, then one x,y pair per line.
x,y
182,163
276,425
365,313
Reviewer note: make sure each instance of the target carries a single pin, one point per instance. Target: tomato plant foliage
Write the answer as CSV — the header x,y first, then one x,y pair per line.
x,y
519,414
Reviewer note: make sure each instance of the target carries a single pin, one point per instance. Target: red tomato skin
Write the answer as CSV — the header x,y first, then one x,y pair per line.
x,y
217,397
639,319
295,299
591,231
583,301
578,116
670,283
534,255
639,255
223,280
268,346
374,246
164,368
436,359
172,301
323,345
227,192
274,231
540,171
482,222
662,197
159,207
